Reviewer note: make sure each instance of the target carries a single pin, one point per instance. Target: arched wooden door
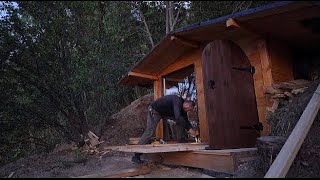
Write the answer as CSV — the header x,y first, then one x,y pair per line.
x,y
231,108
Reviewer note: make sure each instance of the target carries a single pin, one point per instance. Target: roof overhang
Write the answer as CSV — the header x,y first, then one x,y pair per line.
x,y
294,22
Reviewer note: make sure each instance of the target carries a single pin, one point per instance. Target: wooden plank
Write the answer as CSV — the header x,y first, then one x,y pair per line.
x,y
147,76
265,63
226,151
267,79
181,62
120,173
204,131
283,161
225,161
93,138
93,134
160,57
156,148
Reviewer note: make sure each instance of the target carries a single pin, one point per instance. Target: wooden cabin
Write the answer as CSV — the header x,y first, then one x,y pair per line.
x,y
232,60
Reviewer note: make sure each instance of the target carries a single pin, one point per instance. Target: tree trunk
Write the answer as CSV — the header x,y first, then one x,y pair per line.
x,y
168,19
101,117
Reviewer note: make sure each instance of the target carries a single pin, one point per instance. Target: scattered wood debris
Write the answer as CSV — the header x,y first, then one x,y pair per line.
x,y
91,145
133,141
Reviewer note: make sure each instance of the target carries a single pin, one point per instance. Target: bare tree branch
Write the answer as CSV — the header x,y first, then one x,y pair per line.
x,y
170,15
146,26
137,8
250,2
238,6
176,18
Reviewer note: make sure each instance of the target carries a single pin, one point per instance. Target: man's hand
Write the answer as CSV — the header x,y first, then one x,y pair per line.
x,y
192,132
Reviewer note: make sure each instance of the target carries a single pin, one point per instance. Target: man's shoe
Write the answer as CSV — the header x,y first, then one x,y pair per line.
x,y
137,160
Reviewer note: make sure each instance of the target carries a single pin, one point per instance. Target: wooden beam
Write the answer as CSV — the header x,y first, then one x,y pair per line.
x,y
226,161
158,92
121,173
283,161
266,67
185,42
203,122
147,76
156,148
232,23
175,79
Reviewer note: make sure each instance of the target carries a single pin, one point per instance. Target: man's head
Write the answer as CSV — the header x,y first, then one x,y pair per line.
x,y
188,105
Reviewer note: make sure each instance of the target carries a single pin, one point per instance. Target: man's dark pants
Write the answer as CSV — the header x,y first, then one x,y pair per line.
x,y
153,119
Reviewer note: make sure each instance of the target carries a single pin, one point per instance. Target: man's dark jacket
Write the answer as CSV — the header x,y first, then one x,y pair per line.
x,y
170,106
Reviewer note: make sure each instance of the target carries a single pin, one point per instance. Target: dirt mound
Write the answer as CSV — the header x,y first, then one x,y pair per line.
x,y
282,122
129,122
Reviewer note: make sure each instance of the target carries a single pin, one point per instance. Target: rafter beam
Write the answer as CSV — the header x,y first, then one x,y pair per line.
x,y
184,41
234,24
147,76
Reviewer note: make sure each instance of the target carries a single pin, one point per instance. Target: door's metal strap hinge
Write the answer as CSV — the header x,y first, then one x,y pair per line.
x,y
251,69
258,127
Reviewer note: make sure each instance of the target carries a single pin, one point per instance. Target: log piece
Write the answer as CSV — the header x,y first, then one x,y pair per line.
x,y
272,90
268,147
294,84
299,90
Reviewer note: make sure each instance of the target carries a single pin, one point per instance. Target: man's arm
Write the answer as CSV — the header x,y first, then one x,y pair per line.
x,y
181,120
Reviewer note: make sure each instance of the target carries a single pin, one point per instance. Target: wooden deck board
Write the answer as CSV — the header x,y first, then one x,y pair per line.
x,y
159,148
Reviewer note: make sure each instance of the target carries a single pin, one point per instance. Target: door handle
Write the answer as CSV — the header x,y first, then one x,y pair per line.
x,y
212,84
